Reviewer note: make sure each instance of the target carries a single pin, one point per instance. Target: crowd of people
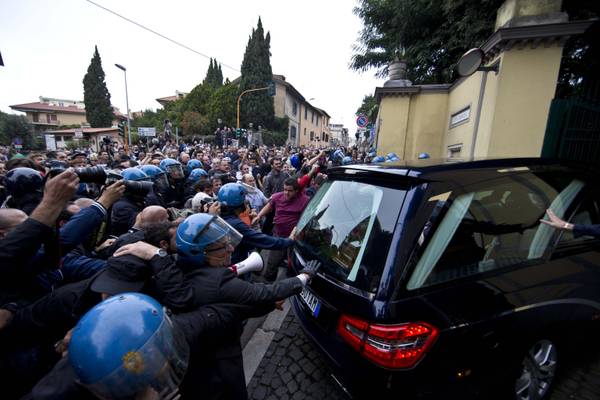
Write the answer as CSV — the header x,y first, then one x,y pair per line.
x,y
119,268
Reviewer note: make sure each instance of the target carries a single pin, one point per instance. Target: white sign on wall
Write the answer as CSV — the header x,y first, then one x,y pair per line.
x,y
460,116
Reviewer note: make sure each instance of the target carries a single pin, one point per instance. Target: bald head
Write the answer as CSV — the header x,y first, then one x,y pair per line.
x,y
153,214
10,218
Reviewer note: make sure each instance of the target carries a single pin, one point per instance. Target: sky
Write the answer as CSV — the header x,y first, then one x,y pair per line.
x,y
47,47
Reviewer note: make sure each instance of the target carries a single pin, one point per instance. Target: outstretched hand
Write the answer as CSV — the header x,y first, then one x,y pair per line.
x,y
311,268
555,221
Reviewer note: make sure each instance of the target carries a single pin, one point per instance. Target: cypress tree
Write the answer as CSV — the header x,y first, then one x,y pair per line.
x,y
257,107
214,75
98,110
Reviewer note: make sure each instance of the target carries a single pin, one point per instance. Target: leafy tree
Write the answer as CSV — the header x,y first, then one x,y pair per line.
x,y
580,67
257,107
222,104
369,107
429,35
197,100
193,124
17,126
98,110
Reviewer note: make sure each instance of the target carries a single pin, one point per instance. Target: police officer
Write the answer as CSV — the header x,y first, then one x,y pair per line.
x,y
173,195
160,185
129,346
25,189
205,244
232,198
127,208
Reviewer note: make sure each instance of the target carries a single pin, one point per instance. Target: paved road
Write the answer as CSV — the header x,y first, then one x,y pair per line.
x,y
292,369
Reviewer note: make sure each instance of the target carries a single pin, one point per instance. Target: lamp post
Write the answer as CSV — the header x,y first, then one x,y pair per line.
x,y
122,68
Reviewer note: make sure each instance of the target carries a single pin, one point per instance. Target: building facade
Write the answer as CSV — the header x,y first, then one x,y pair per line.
x,y
338,135
308,125
497,113
50,113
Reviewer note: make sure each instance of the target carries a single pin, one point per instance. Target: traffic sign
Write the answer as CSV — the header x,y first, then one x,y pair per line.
x,y
362,120
147,131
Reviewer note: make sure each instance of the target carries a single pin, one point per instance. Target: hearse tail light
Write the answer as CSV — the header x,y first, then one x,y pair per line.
x,y
391,346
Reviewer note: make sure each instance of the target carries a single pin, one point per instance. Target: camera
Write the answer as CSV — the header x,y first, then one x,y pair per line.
x,y
106,140
137,188
85,174
206,200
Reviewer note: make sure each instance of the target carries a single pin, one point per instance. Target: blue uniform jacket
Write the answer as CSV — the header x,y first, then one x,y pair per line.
x,y
76,231
253,239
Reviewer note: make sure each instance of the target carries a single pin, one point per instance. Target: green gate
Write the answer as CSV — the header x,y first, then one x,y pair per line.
x,y
573,130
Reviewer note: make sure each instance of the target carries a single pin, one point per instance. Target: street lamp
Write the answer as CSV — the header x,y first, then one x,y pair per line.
x,y
122,68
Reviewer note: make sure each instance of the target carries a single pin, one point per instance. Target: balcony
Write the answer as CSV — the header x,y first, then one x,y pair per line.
x,y
45,122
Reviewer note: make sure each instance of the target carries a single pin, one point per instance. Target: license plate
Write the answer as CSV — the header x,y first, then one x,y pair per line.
x,y
311,301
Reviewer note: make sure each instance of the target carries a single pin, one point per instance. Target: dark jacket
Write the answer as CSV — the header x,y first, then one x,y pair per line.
x,y
73,266
586,230
273,183
253,239
17,269
219,370
123,215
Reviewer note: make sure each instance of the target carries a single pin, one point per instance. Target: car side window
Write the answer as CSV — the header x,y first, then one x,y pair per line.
x,y
493,225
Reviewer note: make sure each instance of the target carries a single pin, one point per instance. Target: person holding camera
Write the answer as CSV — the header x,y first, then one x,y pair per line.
x,y
125,211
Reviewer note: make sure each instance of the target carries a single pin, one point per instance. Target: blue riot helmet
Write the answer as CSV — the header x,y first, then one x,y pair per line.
x,y
347,160
152,171
423,156
22,180
193,164
157,176
134,174
373,153
295,161
128,345
232,195
196,174
378,159
391,155
203,236
172,168
337,156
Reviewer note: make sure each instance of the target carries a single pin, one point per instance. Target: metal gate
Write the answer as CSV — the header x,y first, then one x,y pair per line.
x,y
573,130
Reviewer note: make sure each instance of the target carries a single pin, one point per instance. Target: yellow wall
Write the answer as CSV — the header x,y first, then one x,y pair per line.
x,y
513,117
279,100
462,95
526,86
71,119
61,118
426,120
392,124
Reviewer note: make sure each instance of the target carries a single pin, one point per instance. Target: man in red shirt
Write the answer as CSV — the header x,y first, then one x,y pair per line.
x,y
288,206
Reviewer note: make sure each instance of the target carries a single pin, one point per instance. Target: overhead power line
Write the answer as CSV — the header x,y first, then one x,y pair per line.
x,y
159,34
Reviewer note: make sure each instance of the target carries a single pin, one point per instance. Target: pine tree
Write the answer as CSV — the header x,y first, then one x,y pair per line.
x,y
98,110
257,107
